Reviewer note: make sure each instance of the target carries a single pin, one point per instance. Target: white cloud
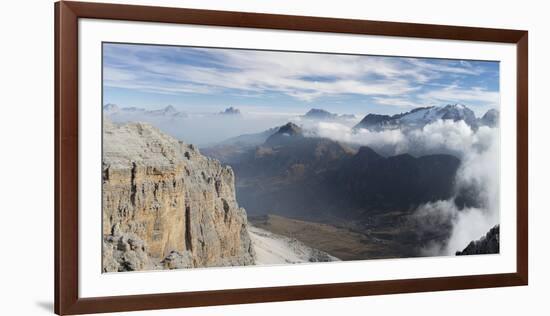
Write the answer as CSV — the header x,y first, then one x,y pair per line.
x,y
401,102
491,99
479,172
391,81
254,71
466,69
442,136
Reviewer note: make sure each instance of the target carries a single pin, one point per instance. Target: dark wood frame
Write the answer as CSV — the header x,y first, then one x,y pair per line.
x,y
67,301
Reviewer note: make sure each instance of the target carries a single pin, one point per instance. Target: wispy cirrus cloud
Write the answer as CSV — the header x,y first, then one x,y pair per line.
x,y
464,95
304,77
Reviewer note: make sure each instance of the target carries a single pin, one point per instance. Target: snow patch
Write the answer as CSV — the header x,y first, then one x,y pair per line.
x,y
276,249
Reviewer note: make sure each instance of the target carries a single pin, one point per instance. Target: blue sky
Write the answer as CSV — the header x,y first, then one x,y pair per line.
x,y
210,80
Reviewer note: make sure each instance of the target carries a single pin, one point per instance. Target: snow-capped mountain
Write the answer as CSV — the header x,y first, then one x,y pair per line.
x,y
454,112
419,117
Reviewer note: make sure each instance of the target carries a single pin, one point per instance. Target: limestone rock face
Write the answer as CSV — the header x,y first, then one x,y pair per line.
x,y
176,205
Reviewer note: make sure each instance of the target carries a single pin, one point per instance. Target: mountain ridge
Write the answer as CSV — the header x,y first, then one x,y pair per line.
x,y
111,109
296,174
421,116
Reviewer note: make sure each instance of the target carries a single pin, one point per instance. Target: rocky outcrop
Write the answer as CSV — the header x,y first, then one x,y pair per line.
x,y
312,178
125,252
490,243
177,260
166,206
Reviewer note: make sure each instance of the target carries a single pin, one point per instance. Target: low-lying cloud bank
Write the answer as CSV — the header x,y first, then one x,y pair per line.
x,y
478,175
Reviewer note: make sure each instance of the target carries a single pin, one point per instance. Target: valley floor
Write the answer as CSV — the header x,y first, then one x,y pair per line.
x,y
340,241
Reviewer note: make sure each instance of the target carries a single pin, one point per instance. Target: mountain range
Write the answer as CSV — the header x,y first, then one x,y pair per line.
x,y
293,175
416,118
355,189
422,116
232,149
168,111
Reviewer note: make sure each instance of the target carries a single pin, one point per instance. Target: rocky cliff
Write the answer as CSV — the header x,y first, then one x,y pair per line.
x,y
166,206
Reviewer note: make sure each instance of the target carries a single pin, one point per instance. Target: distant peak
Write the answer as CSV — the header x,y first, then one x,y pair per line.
x,y
490,118
110,106
231,111
320,114
286,133
170,108
317,111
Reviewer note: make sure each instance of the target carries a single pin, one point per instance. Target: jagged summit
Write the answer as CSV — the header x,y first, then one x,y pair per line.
x,y
290,129
286,133
457,112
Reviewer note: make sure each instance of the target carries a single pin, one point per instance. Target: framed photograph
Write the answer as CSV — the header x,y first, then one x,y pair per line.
x,y
212,157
